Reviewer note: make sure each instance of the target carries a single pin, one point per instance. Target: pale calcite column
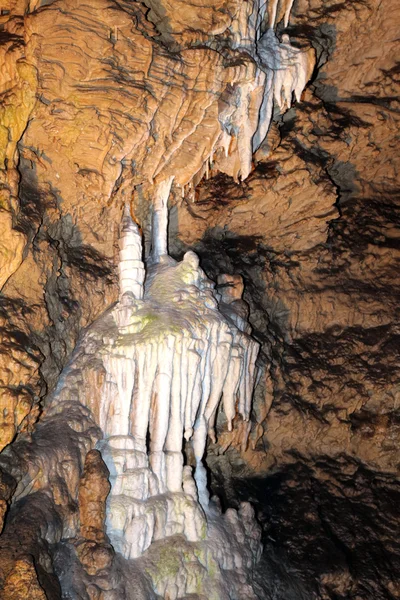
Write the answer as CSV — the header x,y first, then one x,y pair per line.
x,y
159,229
131,267
176,354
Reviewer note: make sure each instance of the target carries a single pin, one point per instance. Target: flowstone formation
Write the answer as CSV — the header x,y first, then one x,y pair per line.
x,y
169,356
145,384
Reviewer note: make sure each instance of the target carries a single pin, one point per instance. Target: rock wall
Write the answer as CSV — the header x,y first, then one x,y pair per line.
x,y
101,104
87,122
313,232
320,268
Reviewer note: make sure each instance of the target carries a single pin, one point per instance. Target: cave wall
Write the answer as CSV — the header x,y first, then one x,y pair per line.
x,y
312,230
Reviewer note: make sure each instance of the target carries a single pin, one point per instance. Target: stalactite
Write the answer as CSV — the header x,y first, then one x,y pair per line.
x,y
275,72
159,246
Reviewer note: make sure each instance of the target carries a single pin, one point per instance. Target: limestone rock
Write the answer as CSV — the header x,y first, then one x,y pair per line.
x,y
22,582
94,488
7,488
95,557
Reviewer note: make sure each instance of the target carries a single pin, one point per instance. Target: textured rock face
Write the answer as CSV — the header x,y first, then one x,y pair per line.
x,y
327,299
86,116
87,125
326,302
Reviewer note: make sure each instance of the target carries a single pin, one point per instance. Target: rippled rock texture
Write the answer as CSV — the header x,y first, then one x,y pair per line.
x,y
312,230
325,302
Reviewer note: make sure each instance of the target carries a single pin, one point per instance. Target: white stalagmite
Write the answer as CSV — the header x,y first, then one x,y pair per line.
x,y
169,362
131,268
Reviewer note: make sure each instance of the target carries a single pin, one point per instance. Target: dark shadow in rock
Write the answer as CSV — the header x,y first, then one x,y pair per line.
x,y
69,268
330,521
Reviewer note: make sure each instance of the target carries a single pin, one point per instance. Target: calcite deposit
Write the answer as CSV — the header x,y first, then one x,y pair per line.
x,y
267,133
150,373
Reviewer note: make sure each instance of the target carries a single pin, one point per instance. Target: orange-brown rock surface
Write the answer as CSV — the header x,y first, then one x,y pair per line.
x,y
94,488
93,551
22,582
99,102
84,123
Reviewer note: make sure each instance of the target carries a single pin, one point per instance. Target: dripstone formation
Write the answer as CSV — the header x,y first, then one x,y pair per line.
x,y
151,371
150,406
168,357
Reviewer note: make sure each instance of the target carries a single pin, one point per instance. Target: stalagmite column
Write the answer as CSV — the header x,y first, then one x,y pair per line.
x,y
176,354
131,268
